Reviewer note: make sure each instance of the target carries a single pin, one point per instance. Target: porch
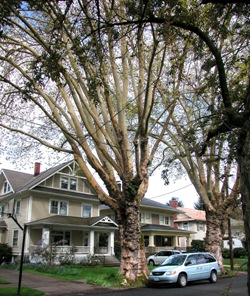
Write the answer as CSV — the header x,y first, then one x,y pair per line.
x,y
84,239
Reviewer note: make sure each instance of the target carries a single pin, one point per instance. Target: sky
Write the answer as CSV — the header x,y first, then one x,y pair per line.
x,y
157,191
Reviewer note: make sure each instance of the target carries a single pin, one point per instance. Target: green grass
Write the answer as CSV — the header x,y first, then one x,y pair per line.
x,y
4,282
25,291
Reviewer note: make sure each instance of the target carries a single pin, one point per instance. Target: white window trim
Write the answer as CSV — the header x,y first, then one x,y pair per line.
x,y
91,210
17,238
68,184
19,211
7,186
58,208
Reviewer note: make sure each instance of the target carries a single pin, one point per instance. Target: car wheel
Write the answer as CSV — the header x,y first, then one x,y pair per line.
x,y
182,280
151,262
213,277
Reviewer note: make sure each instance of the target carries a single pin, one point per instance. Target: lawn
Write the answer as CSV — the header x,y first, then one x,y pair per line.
x,y
12,291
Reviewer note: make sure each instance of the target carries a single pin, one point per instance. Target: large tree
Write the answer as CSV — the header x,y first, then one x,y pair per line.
x,y
80,87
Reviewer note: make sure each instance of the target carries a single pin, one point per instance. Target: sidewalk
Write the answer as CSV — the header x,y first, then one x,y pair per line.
x,y
49,285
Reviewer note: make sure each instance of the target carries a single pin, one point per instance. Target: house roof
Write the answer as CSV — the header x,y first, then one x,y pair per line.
x,y
191,215
73,221
20,181
3,224
157,227
149,203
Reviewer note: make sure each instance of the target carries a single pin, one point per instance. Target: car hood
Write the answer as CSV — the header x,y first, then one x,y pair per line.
x,y
165,268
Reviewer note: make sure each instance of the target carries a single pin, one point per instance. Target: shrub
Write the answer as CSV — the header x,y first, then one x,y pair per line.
x,y
240,253
226,253
198,245
5,253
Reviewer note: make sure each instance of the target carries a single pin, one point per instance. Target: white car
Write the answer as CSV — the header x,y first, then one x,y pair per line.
x,y
184,268
159,257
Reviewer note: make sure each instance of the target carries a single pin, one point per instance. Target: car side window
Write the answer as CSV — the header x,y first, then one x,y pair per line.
x,y
159,254
191,260
209,258
201,259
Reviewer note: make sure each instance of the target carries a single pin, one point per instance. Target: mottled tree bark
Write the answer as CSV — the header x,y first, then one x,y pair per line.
x,y
133,261
214,235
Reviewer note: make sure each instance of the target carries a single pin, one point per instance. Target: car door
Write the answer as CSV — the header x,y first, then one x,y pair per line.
x,y
192,268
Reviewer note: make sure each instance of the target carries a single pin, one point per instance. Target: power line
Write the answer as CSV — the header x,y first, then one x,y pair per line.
x,y
171,192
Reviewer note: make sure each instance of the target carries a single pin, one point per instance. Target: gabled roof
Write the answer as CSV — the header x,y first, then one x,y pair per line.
x,y
191,215
22,181
16,179
74,221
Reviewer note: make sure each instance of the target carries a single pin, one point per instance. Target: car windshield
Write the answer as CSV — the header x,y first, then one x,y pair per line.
x,y
174,260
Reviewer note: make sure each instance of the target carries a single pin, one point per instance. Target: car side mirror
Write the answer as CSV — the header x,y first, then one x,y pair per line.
x,y
188,263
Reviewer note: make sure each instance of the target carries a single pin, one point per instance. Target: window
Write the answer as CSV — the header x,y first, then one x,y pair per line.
x,y
86,211
200,226
145,218
58,207
61,238
1,210
68,183
6,187
185,225
15,238
17,207
85,239
164,220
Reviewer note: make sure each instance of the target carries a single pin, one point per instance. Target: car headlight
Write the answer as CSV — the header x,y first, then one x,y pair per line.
x,y
170,272
150,273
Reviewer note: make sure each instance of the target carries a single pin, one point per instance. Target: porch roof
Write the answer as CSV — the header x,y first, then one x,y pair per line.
x,y
169,229
74,221
3,224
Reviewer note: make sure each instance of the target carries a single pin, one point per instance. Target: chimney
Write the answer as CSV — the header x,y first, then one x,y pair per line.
x,y
173,202
37,168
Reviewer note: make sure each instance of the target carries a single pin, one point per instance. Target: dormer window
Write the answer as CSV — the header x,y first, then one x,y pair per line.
x,y
6,187
68,183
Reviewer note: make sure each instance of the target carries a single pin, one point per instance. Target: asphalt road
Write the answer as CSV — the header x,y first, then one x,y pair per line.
x,y
223,287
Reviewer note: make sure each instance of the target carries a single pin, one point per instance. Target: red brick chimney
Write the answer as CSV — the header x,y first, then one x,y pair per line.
x,y
37,168
174,204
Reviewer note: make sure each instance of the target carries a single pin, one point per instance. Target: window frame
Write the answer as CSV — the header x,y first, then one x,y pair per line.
x,y
6,187
15,238
18,207
68,181
90,212
163,218
58,207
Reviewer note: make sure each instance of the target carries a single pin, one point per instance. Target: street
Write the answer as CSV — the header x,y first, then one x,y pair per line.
x,y
224,287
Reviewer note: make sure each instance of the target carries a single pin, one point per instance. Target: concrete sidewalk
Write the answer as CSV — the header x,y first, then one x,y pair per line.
x,y
49,285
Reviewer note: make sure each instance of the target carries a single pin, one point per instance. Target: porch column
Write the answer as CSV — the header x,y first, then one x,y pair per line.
x,y
92,242
45,236
176,242
151,241
111,243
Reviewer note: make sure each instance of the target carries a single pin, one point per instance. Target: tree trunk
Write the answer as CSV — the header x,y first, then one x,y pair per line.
x,y
133,260
214,236
244,163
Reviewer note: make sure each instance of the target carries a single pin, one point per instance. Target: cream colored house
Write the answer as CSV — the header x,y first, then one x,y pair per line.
x,y
57,205
157,226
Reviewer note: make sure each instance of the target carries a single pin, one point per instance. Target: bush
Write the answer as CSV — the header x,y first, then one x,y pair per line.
x,y
226,253
5,253
240,253
198,245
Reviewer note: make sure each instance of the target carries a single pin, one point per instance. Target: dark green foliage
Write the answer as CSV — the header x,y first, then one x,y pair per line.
x,y
198,245
5,253
239,252
226,253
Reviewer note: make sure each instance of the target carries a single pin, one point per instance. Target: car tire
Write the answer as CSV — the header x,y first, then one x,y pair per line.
x,y
182,280
213,277
151,263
